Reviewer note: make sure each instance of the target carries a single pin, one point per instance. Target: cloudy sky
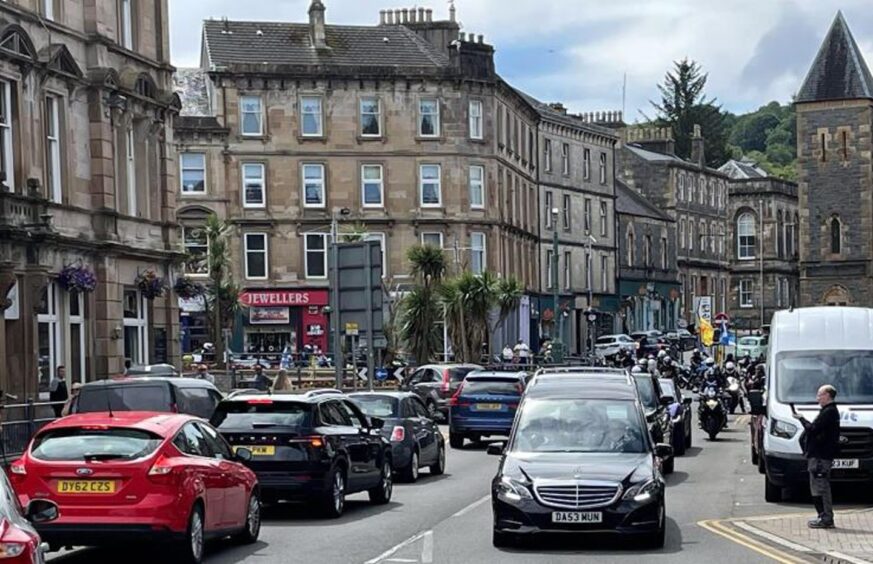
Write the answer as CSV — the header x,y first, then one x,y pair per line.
x,y
578,51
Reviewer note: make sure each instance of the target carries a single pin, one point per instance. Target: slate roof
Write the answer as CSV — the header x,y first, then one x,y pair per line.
x,y
547,111
839,71
629,202
278,43
742,170
653,156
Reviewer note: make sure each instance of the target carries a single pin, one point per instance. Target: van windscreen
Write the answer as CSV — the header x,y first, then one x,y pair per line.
x,y
799,375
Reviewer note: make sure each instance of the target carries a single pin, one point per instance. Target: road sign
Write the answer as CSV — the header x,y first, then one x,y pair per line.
x,y
362,374
703,308
381,374
722,318
400,374
352,329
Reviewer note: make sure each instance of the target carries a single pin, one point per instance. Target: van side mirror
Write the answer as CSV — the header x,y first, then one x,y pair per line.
x,y
757,403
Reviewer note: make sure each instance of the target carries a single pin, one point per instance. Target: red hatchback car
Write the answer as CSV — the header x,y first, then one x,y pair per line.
x,y
139,477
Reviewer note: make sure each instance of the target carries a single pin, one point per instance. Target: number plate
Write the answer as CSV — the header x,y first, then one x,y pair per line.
x,y
577,517
262,450
488,407
846,464
86,486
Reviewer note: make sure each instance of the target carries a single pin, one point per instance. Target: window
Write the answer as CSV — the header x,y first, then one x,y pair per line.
x,y
136,323
548,154
723,294
780,242
836,239
845,142
251,121
371,117
311,116
565,158
603,168
430,188
681,194
130,146
568,270
631,250
126,23
565,212
746,293
647,250
682,233
712,237
712,190
254,185
586,164
372,186
778,292
664,253
477,186
53,138
552,269
49,341
7,164
690,234
48,9
746,237
604,273
256,255
433,239
429,118
313,186
587,215
824,147
193,173
477,252
197,250
476,131
786,292
549,219
702,236
315,251
604,224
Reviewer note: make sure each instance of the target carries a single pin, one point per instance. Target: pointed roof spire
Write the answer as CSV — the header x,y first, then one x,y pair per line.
x,y
839,71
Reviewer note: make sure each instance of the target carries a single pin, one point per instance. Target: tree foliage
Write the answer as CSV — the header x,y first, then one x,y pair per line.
x,y
222,292
768,136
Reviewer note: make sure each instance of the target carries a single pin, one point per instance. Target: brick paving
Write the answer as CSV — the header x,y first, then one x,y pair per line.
x,y
850,542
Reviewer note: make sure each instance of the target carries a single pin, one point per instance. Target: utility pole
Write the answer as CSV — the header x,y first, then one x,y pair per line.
x,y
761,261
338,362
463,313
558,346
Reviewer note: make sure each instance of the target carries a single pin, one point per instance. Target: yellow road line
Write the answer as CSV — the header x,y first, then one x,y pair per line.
x,y
716,527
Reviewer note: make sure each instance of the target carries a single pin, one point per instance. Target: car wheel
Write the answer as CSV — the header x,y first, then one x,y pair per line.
x,y
410,473
669,465
381,494
456,440
680,443
334,498
190,551
502,540
659,537
772,492
688,433
252,530
439,467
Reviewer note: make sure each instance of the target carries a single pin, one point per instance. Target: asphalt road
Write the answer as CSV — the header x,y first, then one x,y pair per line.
x,y
447,519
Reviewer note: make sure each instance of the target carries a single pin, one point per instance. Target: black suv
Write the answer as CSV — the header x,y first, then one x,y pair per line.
x,y
317,446
580,460
162,394
655,405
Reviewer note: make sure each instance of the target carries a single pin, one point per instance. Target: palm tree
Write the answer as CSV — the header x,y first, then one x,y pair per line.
x,y
421,309
508,295
222,295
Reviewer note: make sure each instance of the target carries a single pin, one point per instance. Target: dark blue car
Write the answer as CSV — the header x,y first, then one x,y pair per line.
x,y
484,405
680,415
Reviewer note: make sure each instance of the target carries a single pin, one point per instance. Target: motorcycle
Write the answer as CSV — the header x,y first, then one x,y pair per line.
x,y
711,414
734,394
683,378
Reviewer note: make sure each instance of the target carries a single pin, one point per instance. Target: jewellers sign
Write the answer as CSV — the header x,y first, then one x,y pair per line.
x,y
282,298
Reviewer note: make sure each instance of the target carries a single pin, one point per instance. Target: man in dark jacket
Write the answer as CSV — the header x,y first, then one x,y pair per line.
x,y
821,443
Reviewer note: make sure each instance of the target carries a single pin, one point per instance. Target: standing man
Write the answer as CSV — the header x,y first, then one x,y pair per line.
x,y
58,390
821,441
522,351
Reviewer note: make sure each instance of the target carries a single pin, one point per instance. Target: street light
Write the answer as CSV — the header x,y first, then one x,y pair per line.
x,y
338,362
558,345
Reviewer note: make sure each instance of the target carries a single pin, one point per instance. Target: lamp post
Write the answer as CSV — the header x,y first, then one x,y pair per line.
x,y
338,361
558,345
761,260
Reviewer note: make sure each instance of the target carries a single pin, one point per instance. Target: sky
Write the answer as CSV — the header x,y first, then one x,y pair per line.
x,y
580,51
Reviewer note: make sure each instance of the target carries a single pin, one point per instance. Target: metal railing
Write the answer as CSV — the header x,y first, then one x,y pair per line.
x,y
19,423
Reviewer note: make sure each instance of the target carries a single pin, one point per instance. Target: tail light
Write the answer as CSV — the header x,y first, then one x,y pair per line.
x,y
17,471
314,442
446,382
162,471
455,399
398,434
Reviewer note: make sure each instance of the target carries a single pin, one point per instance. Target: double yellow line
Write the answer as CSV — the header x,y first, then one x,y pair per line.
x,y
720,529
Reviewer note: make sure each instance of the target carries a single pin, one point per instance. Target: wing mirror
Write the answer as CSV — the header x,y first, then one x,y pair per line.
x,y
41,511
687,400
496,449
243,454
663,450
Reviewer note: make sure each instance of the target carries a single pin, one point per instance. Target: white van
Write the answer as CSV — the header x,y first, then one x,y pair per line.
x,y
810,347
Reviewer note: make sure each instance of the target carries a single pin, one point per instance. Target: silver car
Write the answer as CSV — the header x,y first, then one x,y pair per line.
x,y
610,345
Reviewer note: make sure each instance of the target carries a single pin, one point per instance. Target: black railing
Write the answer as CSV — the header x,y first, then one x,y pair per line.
x,y
19,423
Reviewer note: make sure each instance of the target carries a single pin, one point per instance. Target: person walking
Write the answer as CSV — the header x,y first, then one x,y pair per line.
x,y
58,390
74,393
522,351
203,374
261,381
821,441
282,383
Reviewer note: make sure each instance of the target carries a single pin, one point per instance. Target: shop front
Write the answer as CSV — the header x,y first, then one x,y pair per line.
x,y
650,306
274,319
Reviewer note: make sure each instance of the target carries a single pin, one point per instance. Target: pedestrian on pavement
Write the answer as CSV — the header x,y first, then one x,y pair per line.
x,y
203,374
282,383
507,354
74,393
820,442
58,390
522,351
127,365
261,381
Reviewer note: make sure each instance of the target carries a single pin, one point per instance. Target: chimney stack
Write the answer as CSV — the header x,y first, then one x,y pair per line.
x,y
429,15
421,15
698,154
452,12
381,17
316,25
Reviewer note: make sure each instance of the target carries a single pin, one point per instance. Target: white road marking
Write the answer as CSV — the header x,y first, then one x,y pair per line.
x,y
427,549
401,560
472,506
390,552
770,537
846,557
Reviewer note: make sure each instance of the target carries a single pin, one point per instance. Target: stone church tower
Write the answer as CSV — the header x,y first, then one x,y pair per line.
x,y
835,164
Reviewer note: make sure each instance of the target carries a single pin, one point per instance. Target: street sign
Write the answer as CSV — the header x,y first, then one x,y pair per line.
x,y
381,374
722,318
400,374
352,329
362,374
703,308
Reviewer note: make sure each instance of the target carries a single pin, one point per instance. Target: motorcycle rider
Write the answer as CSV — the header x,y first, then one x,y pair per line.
x,y
626,360
669,369
731,371
652,366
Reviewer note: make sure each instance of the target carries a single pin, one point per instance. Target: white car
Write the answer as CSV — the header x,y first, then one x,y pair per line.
x,y
609,345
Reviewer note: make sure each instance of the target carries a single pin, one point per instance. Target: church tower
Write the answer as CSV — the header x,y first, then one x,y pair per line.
x,y
835,168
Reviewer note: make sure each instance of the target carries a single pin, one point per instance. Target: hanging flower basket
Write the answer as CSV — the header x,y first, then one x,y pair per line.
x,y
151,285
188,289
77,279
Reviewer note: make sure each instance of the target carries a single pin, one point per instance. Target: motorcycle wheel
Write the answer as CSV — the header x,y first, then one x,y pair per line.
x,y
712,435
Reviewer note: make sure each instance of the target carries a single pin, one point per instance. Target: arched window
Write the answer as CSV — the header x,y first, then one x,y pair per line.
x,y
648,250
836,238
702,237
691,235
746,238
780,239
630,248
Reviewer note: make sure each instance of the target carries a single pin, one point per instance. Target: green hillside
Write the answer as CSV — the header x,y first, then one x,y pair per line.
x,y
767,136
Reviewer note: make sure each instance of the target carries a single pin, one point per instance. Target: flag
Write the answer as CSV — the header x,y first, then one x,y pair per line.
x,y
707,333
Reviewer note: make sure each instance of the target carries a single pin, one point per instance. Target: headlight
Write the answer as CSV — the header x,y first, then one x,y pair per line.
x,y
782,429
644,491
513,490
11,549
712,404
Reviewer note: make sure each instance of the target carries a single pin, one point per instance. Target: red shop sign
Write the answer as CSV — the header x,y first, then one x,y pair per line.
x,y
292,298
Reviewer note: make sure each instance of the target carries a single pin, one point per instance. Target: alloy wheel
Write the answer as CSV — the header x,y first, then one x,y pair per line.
x,y
253,518
196,535
339,490
387,481
413,468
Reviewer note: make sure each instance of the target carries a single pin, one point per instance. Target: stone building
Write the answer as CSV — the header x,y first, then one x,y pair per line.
x,y
577,199
648,273
88,173
695,196
835,170
404,124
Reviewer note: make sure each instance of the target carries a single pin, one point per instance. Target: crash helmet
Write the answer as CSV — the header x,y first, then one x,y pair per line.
x,y
709,361
636,369
662,353
668,361
653,365
729,366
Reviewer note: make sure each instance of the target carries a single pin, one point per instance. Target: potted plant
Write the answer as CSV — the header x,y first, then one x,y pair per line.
x,y
188,289
151,284
77,279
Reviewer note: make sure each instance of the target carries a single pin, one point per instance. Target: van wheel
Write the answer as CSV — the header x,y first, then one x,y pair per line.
x,y
761,468
772,492
669,465
754,456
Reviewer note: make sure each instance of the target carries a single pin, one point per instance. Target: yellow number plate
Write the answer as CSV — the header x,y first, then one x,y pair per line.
x,y
86,486
488,406
263,450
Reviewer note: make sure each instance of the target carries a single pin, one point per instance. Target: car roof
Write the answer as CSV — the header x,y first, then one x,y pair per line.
x,y
154,422
127,381
394,395
310,396
440,366
579,388
497,375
